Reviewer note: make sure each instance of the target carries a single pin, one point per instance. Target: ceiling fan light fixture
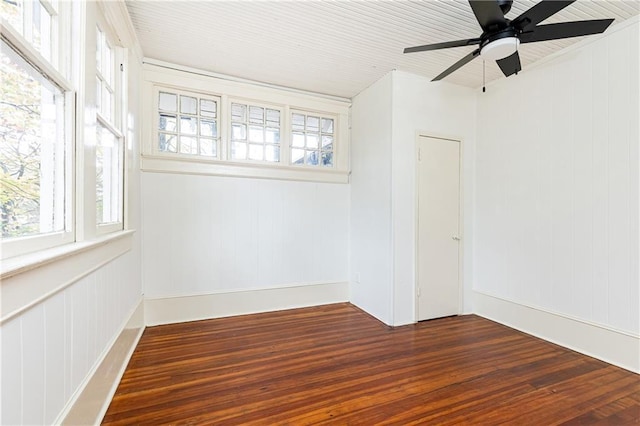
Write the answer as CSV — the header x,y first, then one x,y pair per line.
x,y
499,49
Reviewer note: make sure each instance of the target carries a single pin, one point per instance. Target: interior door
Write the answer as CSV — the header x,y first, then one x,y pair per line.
x,y
438,227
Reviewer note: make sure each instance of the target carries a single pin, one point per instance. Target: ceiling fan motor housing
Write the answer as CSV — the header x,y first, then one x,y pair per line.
x,y
499,45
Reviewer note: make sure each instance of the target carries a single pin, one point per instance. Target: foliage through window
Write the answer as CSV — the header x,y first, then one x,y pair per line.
x,y
32,149
187,124
255,133
312,139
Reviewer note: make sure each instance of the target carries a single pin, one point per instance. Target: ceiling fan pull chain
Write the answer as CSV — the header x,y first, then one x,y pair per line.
x,y
484,80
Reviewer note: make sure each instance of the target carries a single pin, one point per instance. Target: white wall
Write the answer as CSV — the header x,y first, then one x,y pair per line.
x,y
386,120
370,222
557,185
434,109
211,234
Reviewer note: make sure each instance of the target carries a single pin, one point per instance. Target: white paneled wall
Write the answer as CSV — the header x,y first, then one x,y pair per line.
x,y
370,227
208,234
49,350
557,184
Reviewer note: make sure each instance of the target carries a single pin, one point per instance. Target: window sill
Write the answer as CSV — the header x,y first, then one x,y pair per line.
x,y
29,279
168,164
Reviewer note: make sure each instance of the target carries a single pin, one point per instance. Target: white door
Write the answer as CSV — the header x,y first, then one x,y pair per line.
x,y
438,227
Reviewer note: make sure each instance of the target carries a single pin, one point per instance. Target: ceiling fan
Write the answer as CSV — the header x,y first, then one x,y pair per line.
x,y
501,37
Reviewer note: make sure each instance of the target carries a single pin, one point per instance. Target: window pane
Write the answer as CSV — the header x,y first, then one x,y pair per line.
x,y
272,153
256,134
108,177
238,112
273,117
327,125
239,151
188,125
297,122
32,146
256,152
313,124
208,128
107,67
239,132
208,108
107,103
168,143
188,105
12,12
188,145
272,136
312,141
297,156
297,139
99,41
327,159
327,142
44,30
168,122
312,158
207,147
168,102
256,115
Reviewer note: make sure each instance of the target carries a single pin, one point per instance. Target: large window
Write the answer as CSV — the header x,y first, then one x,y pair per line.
x,y
32,149
36,108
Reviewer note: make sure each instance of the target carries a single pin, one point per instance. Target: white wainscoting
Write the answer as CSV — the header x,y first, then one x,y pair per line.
x,y
210,234
90,403
613,346
50,350
224,304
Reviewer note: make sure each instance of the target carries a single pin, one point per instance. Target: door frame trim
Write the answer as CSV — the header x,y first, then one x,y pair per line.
x,y
416,166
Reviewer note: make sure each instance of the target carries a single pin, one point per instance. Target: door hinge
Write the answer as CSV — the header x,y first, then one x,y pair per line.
x,y
419,154
121,67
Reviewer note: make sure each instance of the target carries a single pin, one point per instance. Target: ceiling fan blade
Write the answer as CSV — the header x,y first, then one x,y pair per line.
x,y
458,64
539,13
565,30
488,14
445,45
510,64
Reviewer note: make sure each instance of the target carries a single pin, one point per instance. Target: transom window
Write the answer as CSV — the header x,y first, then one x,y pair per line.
x,y
255,133
188,124
312,139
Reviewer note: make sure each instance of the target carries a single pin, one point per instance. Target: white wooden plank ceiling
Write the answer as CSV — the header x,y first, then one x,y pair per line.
x,y
334,47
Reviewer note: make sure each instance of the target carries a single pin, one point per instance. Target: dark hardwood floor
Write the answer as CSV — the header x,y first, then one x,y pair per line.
x,y
335,364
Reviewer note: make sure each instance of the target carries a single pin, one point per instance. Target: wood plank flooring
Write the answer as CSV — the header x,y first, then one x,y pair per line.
x,y
335,364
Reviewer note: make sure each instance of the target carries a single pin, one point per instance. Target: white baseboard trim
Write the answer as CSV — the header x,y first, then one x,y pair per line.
x,y
614,347
192,308
89,405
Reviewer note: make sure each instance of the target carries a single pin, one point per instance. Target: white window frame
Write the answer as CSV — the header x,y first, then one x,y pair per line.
x,y
177,78
228,119
21,245
156,123
335,136
114,126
